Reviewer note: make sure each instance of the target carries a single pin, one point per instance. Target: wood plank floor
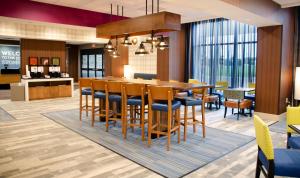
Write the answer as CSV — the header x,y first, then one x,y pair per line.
x,y
34,146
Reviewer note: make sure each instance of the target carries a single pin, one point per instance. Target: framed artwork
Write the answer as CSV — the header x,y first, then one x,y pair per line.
x,y
44,61
55,61
33,61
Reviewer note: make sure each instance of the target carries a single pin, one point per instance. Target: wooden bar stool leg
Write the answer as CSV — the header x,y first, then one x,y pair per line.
x,y
169,129
125,121
185,122
158,123
86,105
203,121
178,123
80,103
131,118
149,126
93,111
106,113
194,119
143,121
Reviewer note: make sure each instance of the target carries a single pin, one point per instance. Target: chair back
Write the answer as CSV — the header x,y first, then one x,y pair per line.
x,y
223,85
114,86
85,83
99,85
251,85
160,93
263,138
197,91
133,89
233,94
292,117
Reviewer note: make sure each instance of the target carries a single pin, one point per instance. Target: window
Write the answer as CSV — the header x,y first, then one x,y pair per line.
x,y
224,50
92,64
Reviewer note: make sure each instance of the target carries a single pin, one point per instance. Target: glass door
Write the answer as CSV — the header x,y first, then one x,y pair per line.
x,y
92,64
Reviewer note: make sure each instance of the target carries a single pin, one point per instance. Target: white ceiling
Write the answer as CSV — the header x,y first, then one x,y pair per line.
x,y
190,11
288,3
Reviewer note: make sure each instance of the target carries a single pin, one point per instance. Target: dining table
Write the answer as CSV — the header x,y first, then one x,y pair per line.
x,y
178,86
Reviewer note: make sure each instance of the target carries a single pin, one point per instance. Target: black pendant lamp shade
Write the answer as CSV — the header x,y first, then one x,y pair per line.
x,y
126,41
162,44
141,50
109,46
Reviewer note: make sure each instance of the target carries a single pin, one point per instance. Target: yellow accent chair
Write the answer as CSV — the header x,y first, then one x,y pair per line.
x,y
292,117
219,91
279,162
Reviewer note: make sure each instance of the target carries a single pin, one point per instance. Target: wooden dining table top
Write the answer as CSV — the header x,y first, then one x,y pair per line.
x,y
174,85
242,89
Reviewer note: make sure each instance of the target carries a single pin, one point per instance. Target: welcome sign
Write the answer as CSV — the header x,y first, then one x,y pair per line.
x,y
9,57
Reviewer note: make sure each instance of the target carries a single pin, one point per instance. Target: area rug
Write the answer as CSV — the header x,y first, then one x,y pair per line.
x,y
182,158
279,127
5,116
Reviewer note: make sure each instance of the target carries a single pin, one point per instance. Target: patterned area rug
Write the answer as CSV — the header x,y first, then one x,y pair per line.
x,y
5,116
182,158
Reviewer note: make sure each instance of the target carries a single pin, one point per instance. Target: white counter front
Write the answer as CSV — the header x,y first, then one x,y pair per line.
x,y
44,86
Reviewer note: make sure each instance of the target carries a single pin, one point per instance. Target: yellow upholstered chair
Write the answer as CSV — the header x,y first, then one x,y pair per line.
x,y
280,162
222,85
292,117
251,85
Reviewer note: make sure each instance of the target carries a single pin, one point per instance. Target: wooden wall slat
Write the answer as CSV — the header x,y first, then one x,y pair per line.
x,y
42,48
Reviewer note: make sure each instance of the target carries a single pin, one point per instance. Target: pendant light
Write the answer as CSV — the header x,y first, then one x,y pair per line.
x,y
162,44
115,53
141,51
109,47
126,41
152,39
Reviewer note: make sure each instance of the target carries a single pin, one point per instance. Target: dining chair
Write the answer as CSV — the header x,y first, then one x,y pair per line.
x,y
235,99
161,99
292,117
98,92
209,99
135,97
190,101
113,97
85,85
271,162
221,86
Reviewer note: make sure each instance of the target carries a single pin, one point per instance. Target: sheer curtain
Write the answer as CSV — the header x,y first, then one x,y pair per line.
x,y
221,49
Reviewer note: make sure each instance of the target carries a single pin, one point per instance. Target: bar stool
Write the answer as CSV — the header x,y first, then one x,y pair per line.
x,y
193,102
135,96
161,99
113,97
85,85
98,92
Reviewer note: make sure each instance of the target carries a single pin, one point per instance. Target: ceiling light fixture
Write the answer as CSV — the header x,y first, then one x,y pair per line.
x,y
162,44
109,46
141,51
126,41
115,53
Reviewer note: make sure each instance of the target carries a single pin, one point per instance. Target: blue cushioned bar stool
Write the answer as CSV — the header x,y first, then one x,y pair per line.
x,y
161,99
85,85
98,92
279,162
135,97
191,101
113,97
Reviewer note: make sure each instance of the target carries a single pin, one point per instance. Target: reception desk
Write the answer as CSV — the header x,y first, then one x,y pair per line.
x,y
47,88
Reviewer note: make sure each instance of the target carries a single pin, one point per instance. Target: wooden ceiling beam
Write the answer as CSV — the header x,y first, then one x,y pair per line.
x,y
158,22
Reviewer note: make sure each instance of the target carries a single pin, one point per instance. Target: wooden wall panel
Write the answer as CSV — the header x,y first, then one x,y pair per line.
x,y
42,48
268,68
73,61
171,62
